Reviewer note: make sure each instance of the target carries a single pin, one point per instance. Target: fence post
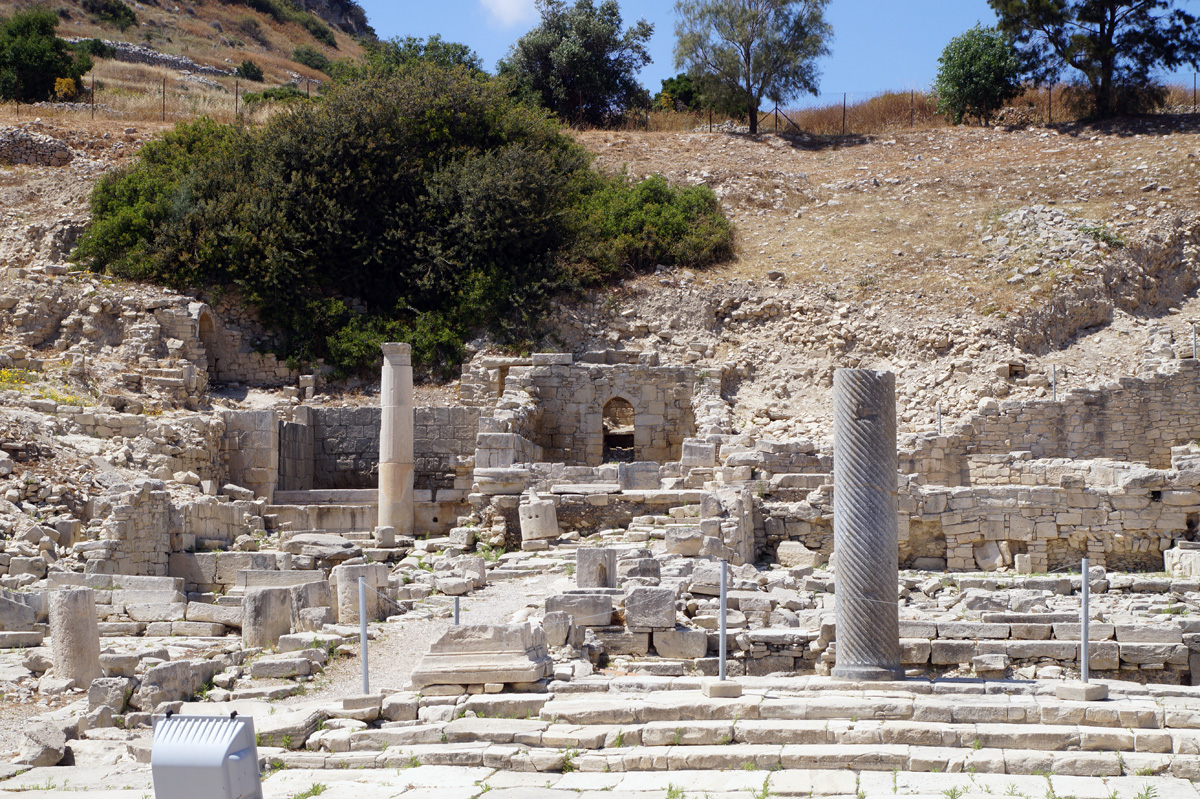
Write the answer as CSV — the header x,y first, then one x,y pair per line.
x,y
776,112
93,96
1050,106
1085,638
164,110
843,113
235,99
1193,92
912,109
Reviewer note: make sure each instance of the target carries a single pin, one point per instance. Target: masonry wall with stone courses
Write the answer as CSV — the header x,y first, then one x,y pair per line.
x,y
1126,524
233,346
572,398
1134,419
139,531
297,463
250,450
19,147
213,523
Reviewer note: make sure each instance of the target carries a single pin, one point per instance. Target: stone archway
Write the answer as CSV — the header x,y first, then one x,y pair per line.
x,y
618,416
207,330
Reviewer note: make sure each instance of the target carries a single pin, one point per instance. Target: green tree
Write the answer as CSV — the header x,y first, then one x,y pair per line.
x,y
32,57
250,71
395,55
579,63
1115,44
980,71
754,48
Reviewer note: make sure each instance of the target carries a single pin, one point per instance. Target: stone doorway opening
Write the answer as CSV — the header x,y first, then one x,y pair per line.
x,y
618,431
208,339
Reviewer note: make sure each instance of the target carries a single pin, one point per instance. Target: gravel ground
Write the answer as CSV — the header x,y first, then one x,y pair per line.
x,y
399,646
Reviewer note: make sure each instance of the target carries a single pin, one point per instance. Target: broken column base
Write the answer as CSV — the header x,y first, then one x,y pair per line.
x,y
721,689
1081,691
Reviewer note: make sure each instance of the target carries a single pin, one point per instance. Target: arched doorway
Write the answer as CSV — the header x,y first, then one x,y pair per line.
x,y
618,431
208,340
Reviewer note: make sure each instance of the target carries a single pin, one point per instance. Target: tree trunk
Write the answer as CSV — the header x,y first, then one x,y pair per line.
x,y
752,110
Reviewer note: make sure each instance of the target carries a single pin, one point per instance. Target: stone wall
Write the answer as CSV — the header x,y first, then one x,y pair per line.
x,y
1136,420
297,459
572,397
250,450
234,346
213,523
135,537
345,447
18,147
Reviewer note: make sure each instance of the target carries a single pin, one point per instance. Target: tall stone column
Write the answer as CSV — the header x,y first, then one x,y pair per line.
x,y
74,635
865,534
396,441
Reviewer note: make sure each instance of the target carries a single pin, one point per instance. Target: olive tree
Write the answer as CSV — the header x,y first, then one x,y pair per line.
x,y
754,48
979,72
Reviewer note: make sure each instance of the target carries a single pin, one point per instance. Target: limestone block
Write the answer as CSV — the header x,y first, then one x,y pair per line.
x,y
557,628
684,542
539,520
988,556
680,643
453,586
305,597
623,643
45,744
642,568
74,635
322,546
266,615
346,578
793,553
596,567
110,692
585,610
481,653
650,609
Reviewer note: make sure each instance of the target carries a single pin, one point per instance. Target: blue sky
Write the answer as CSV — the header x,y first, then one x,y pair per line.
x,y
878,44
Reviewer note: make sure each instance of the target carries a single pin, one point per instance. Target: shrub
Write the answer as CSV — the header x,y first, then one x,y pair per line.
x,y
623,226
278,94
249,26
283,11
33,59
980,71
114,12
310,57
418,208
250,71
65,88
96,48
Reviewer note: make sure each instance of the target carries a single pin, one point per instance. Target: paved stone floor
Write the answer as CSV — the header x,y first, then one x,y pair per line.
x,y
454,782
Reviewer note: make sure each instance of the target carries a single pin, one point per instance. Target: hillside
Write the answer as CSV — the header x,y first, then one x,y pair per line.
x,y
197,46
957,257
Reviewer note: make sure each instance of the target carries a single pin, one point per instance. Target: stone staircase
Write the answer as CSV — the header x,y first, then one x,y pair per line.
x,y
813,724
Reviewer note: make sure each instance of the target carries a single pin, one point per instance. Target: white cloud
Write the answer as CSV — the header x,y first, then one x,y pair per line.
x,y
509,12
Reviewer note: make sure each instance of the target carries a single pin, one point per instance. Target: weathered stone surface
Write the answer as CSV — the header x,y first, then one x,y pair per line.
x,y
557,626
539,520
682,644
266,615
346,579
479,654
74,636
110,692
44,744
229,615
794,553
586,610
650,609
684,542
596,567
322,546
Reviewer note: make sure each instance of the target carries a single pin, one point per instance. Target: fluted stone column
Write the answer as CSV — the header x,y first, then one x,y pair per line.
x,y
396,441
75,636
865,534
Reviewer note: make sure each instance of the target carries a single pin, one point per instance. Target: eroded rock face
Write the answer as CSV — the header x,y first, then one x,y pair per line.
x,y
45,744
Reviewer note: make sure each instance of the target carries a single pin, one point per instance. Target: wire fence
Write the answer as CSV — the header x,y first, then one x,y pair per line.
x,y
858,113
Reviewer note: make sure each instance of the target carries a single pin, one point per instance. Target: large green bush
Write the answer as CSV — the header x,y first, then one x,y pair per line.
x,y
979,72
32,57
419,208
113,12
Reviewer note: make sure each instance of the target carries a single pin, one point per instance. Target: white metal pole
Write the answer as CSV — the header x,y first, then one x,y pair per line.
x,y
362,632
455,611
939,418
1085,640
722,645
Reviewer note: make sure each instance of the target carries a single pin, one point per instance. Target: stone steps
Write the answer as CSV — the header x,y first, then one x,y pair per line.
x,y
1139,713
766,757
455,782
